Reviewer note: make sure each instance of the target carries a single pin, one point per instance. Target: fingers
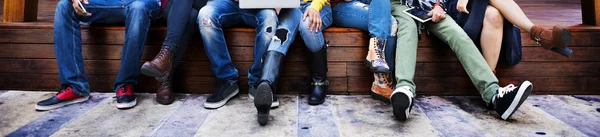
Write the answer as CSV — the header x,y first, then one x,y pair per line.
x,y
304,15
86,2
79,11
315,20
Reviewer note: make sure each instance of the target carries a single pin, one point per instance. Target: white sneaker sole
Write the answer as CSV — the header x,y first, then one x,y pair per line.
x,y
61,104
127,104
222,102
522,94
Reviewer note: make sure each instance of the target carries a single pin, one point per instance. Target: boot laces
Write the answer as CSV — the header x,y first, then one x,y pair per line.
x,y
505,90
163,52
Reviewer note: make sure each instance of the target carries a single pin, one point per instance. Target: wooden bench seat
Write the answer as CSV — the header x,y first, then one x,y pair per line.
x,y
29,62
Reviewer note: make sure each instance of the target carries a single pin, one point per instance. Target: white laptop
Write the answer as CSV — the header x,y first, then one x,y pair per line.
x,y
265,4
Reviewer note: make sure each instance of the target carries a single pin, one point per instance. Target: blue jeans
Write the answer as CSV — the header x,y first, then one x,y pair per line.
x,y
291,20
219,14
180,16
136,14
374,16
377,21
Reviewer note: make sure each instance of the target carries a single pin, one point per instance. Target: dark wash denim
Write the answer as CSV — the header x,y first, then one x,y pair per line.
x,y
219,14
135,14
180,16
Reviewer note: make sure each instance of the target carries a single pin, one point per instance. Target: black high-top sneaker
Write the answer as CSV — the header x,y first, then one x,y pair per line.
x,y
509,98
402,102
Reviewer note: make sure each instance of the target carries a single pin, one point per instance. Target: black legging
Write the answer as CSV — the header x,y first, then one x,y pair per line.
x,y
181,23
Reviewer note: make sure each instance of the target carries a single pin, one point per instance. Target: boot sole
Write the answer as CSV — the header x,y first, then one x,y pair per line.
x,y
400,105
151,71
522,94
379,97
369,65
312,102
165,102
262,101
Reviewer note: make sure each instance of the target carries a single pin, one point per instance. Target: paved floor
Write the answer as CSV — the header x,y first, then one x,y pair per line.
x,y
341,115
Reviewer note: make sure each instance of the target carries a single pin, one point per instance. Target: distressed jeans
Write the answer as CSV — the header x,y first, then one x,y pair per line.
x,y
136,14
290,22
219,14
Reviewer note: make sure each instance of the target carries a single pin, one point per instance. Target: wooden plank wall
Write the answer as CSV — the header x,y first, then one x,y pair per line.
x,y
29,62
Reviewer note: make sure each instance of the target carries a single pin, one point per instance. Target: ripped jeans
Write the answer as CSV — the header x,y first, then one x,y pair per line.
x,y
290,22
219,14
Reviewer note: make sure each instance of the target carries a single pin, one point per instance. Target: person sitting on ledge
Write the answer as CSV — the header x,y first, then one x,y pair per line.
x,y
135,14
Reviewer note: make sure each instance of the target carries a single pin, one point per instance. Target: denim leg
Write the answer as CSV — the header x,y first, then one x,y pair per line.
x,y
264,21
138,14
360,15
211,18
67,47
177,18
314,40
188,33
353,14
286,30
379,14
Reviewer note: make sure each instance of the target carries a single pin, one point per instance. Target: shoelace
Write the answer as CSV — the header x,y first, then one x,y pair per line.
x,y
504,90
122,89
162,53
62,90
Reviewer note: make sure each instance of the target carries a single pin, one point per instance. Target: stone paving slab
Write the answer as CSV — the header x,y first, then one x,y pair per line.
x,y
578,113
238,118
18,109
186,119
362,116
106,120
526,121
318,120
55,119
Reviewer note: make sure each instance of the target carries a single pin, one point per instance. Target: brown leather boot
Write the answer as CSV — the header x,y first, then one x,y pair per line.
x,y
164,94
382,87
556,39
160,66
375,58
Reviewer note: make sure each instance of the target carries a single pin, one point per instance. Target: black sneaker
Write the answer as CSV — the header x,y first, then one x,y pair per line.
x,y
509,98
252,91
402,102
125,97
222,95
64,97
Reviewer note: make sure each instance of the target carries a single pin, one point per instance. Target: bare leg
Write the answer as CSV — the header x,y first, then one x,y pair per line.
x,y
491,36
513,13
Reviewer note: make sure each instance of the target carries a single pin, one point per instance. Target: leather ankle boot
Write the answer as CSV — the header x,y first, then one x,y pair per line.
x,y
375,58
160,66
382,89
267,84
164,95
318,68
556,39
